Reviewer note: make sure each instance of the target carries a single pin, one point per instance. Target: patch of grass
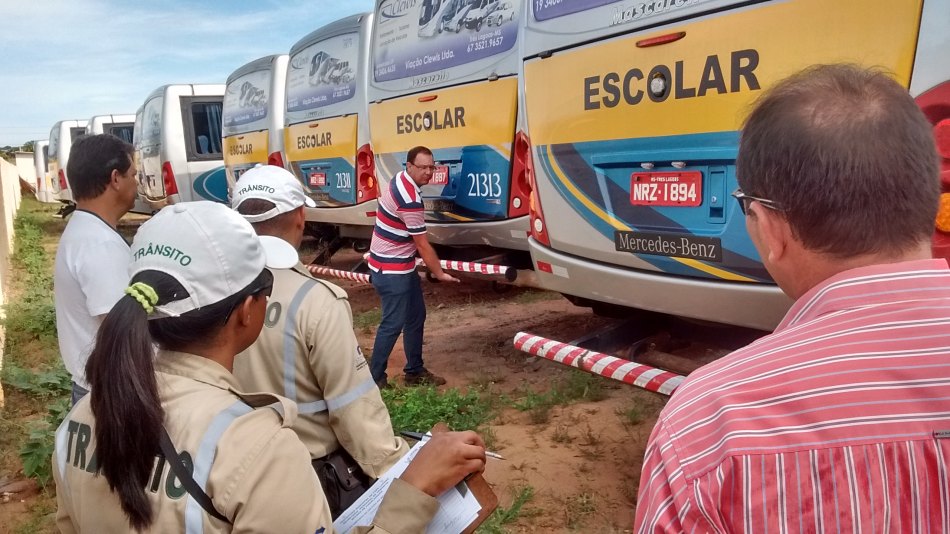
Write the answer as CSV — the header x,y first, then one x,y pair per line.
x,y
583,386
39,520
632,416
38,449
578,508
577,386
418,409
561,435
367,320
495,524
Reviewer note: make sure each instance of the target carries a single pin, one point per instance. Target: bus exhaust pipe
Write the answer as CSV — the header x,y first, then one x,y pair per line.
x,y
635,374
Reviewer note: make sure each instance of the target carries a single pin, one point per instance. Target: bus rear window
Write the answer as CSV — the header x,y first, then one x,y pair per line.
x,y
122,131
205,131
76,133
53,141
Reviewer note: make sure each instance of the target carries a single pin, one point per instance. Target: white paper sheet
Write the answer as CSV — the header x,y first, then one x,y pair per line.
x,y
456,511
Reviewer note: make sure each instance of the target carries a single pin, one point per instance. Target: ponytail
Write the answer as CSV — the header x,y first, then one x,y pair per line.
x,y
121,374
125,402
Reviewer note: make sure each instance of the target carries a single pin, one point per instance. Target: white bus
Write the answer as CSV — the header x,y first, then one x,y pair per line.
x,y
117,125
61,138
445,76
327,138
633,110
180,149
253,116
44,189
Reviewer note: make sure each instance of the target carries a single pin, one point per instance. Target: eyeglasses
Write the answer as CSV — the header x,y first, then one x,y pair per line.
x,y
429,168
745,200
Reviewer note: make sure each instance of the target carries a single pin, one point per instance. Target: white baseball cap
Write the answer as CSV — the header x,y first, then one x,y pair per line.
x,y
272,183
209,249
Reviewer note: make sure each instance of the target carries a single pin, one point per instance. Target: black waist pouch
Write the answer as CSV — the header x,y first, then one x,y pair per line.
x,y
342,480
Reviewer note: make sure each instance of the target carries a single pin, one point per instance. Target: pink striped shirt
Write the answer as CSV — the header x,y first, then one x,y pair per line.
x,y
837,422
400,214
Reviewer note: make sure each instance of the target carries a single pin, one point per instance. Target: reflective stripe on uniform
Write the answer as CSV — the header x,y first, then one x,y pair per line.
x,y
290,341
194,514
311,408
361,389
290,364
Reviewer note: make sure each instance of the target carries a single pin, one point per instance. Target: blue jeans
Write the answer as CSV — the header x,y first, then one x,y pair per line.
x,y
404,311
78,393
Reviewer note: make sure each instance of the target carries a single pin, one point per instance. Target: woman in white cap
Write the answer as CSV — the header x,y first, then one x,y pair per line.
x,y
166,442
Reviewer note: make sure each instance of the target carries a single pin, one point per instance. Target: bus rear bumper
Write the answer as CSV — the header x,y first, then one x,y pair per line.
x,y
760,306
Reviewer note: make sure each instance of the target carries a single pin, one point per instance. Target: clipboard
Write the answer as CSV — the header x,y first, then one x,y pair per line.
x,y
480,489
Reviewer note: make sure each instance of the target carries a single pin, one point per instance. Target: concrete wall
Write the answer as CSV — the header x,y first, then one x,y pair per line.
x,y
9,203
27,167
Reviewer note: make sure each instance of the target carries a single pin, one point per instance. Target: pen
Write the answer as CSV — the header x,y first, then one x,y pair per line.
x,y
419,436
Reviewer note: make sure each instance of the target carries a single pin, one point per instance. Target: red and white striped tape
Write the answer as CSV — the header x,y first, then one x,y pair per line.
x,y
317,270
466,266
637,374
472,267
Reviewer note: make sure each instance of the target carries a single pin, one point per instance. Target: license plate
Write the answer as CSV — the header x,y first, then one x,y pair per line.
x,y
440,176
666,188
318,179
438,205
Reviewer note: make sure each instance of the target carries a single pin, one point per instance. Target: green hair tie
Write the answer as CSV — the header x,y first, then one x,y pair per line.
x,y
145,294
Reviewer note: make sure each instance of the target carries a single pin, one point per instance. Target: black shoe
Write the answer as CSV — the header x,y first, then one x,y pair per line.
x,y
425,378
382,383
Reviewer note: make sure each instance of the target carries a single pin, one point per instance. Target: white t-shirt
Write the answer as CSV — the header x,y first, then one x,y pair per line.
x,y
92,272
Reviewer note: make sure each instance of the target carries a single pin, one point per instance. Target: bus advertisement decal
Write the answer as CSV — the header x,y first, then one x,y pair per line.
x,y
415,38
323,73
552,9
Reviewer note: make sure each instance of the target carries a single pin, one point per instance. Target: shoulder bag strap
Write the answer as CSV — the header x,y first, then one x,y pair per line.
x,y
181,472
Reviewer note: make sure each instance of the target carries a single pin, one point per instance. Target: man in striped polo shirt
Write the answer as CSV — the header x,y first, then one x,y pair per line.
x,y
400,236
839,421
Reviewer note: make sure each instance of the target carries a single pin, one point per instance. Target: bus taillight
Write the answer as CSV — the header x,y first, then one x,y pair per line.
x,y
520,188
539,230
366,174
275,159
63,185
168,179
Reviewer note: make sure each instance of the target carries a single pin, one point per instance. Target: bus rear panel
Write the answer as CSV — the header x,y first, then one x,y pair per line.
x,y
445,77
253,115
633,117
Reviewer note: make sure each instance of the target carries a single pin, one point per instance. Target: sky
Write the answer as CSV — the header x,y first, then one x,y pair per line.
x,y
73,59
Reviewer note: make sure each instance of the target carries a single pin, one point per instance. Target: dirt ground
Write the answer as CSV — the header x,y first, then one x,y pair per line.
x,y
584,462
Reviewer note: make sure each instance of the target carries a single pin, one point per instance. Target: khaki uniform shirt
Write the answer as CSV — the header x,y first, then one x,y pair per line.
x,y
247,460
308,353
